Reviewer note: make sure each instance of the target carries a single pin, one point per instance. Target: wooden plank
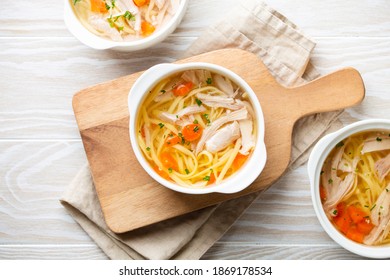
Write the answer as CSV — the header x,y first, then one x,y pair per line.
x,y
60,252
33,176
278,252
316,17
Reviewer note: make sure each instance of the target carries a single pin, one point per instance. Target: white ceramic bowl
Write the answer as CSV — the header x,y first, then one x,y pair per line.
x,y
316,161
238,181
88,38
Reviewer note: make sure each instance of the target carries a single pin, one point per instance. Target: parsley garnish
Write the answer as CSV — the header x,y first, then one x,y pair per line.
x,y
378,139
182,138
209,81
163,91
330,181
76,1
161,125
340,144
335,212
129,16
206,178
387,190
206,116
170,170
366,206
196,128
372,207
196,122
187,171
322,172
198,101
148,149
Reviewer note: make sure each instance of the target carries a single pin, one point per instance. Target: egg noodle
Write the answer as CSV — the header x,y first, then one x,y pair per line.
x,y
193,170
367,186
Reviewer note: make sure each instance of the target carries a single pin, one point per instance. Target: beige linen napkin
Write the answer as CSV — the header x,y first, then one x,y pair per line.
x,y
251,26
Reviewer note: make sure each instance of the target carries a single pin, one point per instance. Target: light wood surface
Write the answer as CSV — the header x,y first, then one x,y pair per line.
x,y
42,65
131,199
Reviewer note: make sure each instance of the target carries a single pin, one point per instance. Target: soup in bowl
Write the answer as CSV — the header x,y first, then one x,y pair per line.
x,y
350,177
125,25
197,128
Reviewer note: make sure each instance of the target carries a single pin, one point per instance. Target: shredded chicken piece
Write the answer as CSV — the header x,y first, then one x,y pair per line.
x,y
219,101
248,141
173,118
164,96
127,6
336,188
382,167
241,114
223,137
100,24
380,217
223,84
190,76
378,143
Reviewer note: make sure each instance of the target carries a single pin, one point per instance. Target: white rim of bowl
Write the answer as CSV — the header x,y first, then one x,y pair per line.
x,y
237,182
94,41
316,161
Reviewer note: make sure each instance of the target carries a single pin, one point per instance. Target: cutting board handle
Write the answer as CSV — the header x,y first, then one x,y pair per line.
x,y
338,90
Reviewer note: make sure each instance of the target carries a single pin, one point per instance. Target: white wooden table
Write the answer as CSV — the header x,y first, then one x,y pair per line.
x,y
42,66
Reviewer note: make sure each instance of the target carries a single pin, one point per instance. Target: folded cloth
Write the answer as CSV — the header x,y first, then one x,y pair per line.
x,y
252,26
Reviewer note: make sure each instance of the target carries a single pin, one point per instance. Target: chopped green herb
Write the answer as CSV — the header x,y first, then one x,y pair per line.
x,y
372,207
120,28
322,172
169,142
335,212
209,81
206,178
366,217
333,168
378,139
170,134
196,122
161,125
182,138
129,16
381,207
366,206
177,116
163,91
387,190
198,101
148,149
340,144
330,181
196,128
76,1
113,4
206,116
107,6
170,170
187,171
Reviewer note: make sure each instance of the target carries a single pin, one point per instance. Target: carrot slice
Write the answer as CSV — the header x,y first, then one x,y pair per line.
x,y
238,161
147,28
140,3
355,235
98,6
161,172
365,226
172,140
168,161
192,132
356,214
182,89
343,222
212,179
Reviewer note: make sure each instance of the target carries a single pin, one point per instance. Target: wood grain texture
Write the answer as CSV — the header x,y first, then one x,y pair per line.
x,y
42,65
103,123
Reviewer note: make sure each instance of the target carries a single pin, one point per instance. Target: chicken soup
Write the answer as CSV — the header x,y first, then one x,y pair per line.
x,y
196,128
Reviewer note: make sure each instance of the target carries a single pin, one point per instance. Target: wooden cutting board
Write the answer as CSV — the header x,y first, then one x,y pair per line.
x,y
131,199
